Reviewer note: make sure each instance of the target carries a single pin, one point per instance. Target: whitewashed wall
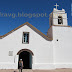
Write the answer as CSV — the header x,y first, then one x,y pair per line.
x,y
63,47
42,49
55,18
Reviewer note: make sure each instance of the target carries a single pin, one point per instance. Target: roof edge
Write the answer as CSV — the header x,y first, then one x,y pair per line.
x,y
27,23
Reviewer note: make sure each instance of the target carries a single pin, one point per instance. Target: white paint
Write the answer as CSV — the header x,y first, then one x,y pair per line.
x,y
54,17
47,54
37,44
63,47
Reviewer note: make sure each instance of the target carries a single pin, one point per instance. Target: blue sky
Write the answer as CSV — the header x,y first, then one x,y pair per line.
x,y
8,23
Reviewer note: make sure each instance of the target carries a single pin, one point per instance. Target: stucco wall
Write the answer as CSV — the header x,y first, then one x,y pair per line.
x,y
42,49
55,18
63,47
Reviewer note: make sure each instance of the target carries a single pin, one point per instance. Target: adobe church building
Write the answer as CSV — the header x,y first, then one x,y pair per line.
x,y
38,51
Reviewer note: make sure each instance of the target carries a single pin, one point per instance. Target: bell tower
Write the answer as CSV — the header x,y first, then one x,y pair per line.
x,y
58,17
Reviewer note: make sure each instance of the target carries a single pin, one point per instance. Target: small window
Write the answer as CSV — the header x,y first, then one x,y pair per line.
x,y
60,20
25,38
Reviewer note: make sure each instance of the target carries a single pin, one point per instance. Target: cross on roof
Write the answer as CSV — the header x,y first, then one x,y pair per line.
x,y
56,5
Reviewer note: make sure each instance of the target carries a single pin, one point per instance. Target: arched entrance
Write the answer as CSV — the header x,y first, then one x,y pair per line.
x,y
26,56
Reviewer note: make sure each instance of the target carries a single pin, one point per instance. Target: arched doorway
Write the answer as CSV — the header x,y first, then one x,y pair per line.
x,y
26,56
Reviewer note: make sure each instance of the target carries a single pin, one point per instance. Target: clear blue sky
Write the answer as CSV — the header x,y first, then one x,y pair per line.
x,y
8,23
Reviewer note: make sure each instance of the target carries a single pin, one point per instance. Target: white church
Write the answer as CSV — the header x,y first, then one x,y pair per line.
x,y
37,50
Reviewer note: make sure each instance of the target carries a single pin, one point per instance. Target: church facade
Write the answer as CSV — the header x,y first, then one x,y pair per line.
x,y
38,51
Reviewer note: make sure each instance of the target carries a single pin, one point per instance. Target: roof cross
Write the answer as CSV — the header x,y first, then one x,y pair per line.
x,y
56,5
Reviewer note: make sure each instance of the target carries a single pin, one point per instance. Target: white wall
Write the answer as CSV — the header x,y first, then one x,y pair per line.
x,y
47,54
55,18
63,47
42,49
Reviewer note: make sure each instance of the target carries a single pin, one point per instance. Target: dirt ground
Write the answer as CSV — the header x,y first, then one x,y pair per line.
x,y
29,70
56,70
